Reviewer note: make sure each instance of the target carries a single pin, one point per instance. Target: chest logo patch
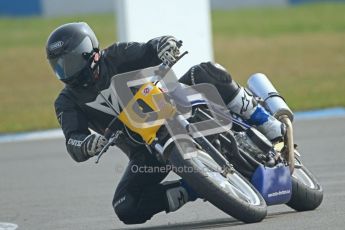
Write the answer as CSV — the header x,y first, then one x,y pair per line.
x,y
104,106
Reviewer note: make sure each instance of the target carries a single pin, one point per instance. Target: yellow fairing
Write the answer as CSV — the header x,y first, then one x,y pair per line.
x,y
146,112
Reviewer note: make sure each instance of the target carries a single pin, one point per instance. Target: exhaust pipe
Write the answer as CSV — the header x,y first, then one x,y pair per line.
x,y
262,87
288,141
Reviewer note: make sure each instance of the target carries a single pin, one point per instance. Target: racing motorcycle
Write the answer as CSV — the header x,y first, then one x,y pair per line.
x,y
224,160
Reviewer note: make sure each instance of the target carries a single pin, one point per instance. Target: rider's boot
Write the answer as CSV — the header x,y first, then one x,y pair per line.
x,y
245,105
178,193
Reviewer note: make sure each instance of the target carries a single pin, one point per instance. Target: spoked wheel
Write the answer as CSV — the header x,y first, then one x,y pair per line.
x,y
307,193
230,191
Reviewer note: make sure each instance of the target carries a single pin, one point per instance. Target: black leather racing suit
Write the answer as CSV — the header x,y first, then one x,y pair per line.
x,y
78,109
139,195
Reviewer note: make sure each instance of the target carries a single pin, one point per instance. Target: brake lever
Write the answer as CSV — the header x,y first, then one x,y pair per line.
x,y
163,69
179,57
112,140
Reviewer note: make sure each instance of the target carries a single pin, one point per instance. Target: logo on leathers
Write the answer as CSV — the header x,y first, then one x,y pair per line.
x,y
101,105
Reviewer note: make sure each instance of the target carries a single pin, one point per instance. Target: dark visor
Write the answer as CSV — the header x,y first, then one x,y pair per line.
x,y
70,64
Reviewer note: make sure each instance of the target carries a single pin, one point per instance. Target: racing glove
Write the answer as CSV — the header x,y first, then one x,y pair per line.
x,y
93,144
168,49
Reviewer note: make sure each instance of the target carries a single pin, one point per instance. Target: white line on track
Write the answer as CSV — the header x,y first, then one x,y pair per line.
x,y
8,226
30,136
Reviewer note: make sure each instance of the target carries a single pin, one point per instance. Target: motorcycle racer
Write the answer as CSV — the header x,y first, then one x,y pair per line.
x,y
74,55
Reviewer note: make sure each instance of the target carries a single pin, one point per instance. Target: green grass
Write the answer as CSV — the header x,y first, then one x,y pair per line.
x,y
268,22
301,49
27,85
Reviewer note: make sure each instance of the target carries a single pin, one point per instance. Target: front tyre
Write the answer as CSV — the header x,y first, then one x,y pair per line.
x,y
307,193
232,194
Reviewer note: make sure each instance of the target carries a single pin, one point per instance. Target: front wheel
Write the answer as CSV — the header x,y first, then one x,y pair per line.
x,y
232,193
307,193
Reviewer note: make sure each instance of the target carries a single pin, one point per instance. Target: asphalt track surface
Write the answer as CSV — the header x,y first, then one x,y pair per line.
x,y
41,187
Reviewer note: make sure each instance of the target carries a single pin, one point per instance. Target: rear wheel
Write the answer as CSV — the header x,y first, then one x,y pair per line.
x,y
307,193
232,193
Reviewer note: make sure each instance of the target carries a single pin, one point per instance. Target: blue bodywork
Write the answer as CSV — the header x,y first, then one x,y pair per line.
x,y
274,184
